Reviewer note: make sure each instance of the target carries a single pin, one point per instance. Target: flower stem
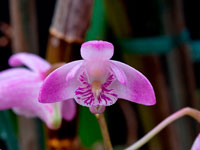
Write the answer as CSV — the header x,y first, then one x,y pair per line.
x,y
104,131
183,112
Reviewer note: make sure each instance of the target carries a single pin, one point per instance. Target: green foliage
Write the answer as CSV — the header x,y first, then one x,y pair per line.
x,y
98,23
156,45
89,130
7,131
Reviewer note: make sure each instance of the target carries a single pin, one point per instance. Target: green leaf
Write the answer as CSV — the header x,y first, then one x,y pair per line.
x,y
7,132
97,30
89,130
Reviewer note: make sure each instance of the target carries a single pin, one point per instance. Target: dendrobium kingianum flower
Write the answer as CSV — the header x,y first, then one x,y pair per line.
x,y
19,90
196,145
96,81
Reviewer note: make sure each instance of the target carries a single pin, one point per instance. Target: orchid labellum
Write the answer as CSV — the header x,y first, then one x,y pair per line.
x,y
96,81
19,90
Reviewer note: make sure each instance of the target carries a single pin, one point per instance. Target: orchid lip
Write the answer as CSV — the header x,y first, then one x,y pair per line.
x,y
95,93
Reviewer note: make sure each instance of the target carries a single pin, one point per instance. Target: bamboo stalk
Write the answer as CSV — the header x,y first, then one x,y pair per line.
x,y
182,82
154,72
24,26
67,32
24,38
71,20
151,66
132,124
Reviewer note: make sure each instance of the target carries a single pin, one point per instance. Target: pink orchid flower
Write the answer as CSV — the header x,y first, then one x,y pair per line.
x,y
96,81
19,90
196,145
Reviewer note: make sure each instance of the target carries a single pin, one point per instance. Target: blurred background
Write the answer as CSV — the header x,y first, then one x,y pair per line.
x,y
160,38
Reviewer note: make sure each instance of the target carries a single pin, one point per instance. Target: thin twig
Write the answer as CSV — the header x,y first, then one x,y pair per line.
x,y
183,112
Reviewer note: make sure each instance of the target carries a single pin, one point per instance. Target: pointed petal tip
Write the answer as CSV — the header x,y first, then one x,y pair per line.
x,y
148,101
151,103
12,60
150,95
97,50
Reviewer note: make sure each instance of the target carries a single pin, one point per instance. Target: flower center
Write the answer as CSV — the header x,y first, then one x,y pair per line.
x,y
95,93
96,88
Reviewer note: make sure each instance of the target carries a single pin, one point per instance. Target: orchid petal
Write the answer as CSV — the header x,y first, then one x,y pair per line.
x,y
196,144
21,92
14,73
56,88
94,50
68,109
73,71
32,61
119,73
15,84
138,89
23,111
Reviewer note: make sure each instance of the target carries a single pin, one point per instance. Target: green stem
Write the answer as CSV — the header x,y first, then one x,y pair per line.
x,y
183,112
57,119
104,131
